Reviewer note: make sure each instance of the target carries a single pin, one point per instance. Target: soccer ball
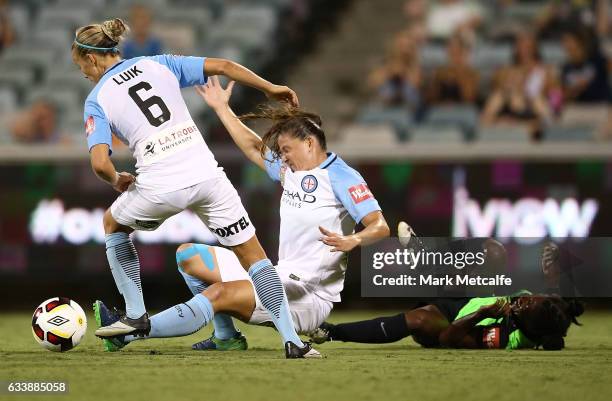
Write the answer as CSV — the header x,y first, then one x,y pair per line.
x,y
59,324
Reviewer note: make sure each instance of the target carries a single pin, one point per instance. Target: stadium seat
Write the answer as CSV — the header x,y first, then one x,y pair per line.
x,y
180,37
15,76
591,114
114,11
368,135
250,28
503,134
432,55
59,37
92,4
464,117
5,122
8,100
68,78
228,51
562,133
258,17
245,37
66,100
199,18
491,56
23,56
436,133
20,20
398,117
70,17
150,3
578,120
523,11
72,124
552,53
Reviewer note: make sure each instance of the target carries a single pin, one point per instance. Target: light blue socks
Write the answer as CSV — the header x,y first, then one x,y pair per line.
x,y
180,320
271,293
125,267
224,325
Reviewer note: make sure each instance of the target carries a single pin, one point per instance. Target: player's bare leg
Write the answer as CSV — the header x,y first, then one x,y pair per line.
x,y
249,252
199,266
236,298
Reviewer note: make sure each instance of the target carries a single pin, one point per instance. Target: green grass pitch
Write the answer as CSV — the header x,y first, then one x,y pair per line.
x,y
169,370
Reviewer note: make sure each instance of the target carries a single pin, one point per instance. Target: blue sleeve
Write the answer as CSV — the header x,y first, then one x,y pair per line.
x,y
97,127
273,166
188,70
352,191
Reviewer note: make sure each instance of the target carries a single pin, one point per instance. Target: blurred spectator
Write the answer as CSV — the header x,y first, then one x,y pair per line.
x,y
584,76
141,42
561,15
416,15
7,35
446,18
398,81
524,93
37,124
457,81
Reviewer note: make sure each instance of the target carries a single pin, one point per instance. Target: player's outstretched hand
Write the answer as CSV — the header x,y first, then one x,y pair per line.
x,y
214,94
550,264
283,94
124,180
499,309
339,243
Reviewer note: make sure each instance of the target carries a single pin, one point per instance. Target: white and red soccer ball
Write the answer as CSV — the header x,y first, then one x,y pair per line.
x,y
59,324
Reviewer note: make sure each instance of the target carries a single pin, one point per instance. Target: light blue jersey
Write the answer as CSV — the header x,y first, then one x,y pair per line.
x,y
139,100
333,196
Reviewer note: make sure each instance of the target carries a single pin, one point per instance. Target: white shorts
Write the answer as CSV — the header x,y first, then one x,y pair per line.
x,y
307,309
216,202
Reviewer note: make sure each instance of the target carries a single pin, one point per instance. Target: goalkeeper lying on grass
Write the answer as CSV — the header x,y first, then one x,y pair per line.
x,y
520,321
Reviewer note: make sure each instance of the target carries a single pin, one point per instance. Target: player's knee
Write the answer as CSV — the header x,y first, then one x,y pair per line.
x,y
425,341
183,253
216,292
416,320
110,225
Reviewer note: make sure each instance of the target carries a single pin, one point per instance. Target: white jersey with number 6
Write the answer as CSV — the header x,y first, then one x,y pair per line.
x,y
139,100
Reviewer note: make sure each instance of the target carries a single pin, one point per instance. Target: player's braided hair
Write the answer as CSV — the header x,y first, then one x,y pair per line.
x,y
554,318
100,38
287,119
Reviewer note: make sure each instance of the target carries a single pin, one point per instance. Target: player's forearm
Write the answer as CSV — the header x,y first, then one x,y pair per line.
x,y
105,170
374,232
239,73
376,228
102,165
456,333
107,173
247,140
